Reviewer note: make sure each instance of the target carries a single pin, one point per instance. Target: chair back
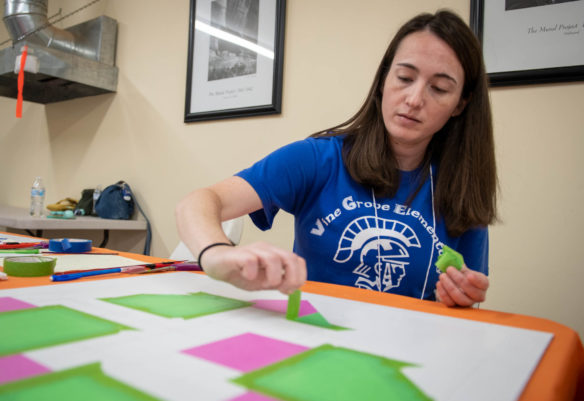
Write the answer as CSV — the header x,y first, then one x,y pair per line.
x,y
232,228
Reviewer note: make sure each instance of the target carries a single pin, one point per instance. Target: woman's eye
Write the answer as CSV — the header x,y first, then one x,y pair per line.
x,y
439,89
404,79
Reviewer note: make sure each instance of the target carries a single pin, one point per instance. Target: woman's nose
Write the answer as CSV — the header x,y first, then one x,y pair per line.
x,y
415,96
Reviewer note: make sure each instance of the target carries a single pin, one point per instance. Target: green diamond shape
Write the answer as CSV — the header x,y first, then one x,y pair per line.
x,y
34,328
336,374
316,319
185,306
87,383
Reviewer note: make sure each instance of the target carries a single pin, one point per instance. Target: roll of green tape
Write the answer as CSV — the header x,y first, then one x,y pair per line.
x,y
29,266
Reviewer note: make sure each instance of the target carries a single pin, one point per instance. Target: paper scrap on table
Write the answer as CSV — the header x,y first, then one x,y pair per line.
x,y
87,262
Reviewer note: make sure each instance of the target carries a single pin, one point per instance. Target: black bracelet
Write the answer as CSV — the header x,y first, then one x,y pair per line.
x,y
205,249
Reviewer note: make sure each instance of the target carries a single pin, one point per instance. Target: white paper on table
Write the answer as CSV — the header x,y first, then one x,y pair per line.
x,y
454,359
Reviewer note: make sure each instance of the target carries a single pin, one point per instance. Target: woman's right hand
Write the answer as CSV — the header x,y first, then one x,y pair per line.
x,y
257,266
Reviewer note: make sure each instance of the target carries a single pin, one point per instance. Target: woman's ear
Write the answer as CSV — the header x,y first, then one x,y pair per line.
x,y
460,107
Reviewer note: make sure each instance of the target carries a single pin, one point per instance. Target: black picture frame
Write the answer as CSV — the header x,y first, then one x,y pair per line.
x,y
543,30
235,59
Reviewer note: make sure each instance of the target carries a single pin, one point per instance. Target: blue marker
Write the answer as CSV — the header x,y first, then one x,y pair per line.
x,y
75,276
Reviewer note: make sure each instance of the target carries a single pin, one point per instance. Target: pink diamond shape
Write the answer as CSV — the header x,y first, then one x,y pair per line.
x,y
16,367
9,303
246,352
277,305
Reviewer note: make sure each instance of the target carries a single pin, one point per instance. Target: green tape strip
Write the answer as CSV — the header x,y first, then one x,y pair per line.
x,y
293,305
29,251
449,257
29,266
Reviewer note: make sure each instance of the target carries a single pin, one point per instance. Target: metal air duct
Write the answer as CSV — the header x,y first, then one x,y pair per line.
x,y
75,62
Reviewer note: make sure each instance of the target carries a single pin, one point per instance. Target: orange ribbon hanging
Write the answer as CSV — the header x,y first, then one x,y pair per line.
x,y
21,82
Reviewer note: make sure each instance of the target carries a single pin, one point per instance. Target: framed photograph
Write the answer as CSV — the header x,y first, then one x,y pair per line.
x,y
235,58
530,41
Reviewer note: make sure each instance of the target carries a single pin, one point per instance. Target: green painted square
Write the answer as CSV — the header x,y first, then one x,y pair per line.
x,y
336,374
185,306
87,383
28,329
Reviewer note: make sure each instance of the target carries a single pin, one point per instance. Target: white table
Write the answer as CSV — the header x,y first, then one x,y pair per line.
x,y
19,218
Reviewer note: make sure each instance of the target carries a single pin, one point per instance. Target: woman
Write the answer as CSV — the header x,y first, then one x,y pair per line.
x,y
375,198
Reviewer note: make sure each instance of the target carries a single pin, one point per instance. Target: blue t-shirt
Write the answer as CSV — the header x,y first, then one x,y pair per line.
x,y
346,235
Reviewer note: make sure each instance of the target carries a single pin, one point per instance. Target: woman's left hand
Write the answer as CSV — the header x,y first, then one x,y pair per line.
x,y
461,288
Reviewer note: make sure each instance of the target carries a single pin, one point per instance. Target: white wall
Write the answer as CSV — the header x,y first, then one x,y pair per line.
x,y
332,49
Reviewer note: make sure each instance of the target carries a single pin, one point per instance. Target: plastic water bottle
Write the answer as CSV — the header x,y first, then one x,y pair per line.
x,y
96,195
37,197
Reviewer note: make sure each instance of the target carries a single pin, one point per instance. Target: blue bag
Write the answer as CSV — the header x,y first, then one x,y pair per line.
x,y
117,202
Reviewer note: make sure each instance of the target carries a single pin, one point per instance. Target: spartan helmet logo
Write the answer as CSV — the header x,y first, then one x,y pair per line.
x,y
382,245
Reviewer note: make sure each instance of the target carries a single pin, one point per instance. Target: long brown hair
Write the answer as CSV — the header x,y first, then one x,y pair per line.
x,y
466,181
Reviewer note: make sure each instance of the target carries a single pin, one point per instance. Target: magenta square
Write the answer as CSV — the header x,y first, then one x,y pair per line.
x,y
9,303
17,367
246,352
251,396
277,305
